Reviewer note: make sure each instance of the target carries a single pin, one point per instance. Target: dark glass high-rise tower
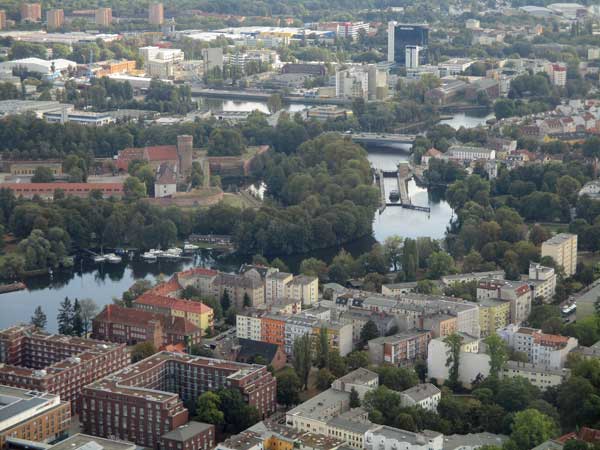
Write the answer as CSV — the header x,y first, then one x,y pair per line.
x,y
402,35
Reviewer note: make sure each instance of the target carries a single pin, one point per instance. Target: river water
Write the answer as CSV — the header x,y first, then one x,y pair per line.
x,y
103,282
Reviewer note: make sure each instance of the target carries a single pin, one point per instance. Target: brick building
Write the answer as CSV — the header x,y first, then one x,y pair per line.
x,y
144,402
46,191
54,363
130,326
197,313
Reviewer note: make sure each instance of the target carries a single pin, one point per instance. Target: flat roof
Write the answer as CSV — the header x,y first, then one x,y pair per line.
x,y
187,431
86,442
317,406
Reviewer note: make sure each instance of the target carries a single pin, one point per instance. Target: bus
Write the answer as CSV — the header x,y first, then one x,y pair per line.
x,y
568,309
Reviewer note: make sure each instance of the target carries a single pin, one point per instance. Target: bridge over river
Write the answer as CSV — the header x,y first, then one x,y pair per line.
x,y
384,139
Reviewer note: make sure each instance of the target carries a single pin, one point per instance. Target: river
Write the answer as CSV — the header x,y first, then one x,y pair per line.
x,y
104,282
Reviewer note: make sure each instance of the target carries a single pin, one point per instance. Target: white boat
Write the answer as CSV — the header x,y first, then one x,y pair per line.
x,y
187,247
99,258
149,256
112,258
172,253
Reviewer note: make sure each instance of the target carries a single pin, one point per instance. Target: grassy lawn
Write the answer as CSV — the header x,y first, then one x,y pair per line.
x,y
237,201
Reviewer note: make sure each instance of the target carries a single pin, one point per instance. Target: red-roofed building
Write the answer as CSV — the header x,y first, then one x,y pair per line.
x,y
130,326
178,156
585,434
46,190
197,313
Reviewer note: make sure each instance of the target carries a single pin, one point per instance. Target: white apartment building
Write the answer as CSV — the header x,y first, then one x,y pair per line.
x,y
248,327
540,376
388,438
425,395
562,248
557,73
296,327
466,153
303,288
276,286
542,349
542,281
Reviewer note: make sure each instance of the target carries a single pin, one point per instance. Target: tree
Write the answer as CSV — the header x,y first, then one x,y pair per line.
x,y
439,264
530,428
397,378
278,263
39,318
288,387
393,250
454,343
323,350
88,310
324,378
498,353
134,189
142,350
314,267
77,324
207,409
225,300
42,174
357,359
274,103
247,300
65,317
238,414
354,398
369,331
225,142
302,358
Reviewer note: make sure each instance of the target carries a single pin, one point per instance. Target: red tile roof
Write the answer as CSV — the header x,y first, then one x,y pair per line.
x,y
197,271
141,318
166,288
161,153
173,303
67,187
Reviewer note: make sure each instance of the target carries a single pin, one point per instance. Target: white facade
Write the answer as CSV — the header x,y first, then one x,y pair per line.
x,y
472,364
464,153
157,68
541,377
542,349
388,438
543,281
164,189
275,286
39,65
248,327
352,83
391,40
412,56
425,395
303,288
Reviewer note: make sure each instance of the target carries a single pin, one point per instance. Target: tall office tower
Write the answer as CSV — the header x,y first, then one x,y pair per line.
x,y
402,35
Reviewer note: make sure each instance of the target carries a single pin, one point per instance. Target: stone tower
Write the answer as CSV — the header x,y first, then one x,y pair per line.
x,y
184,154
